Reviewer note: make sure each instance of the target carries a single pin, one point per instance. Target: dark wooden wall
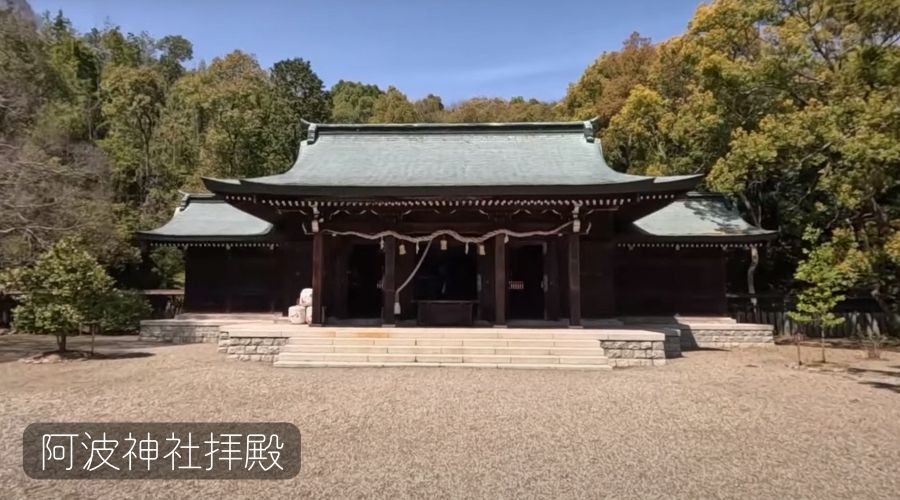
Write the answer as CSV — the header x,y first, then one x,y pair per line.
x,y
246,279
598,295
614,281
295,271
663,281
241,279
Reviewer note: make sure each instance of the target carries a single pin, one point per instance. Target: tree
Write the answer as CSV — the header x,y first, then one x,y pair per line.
x,y
353,102
789,107
228,104
65,288
174,50
486,110
298,93
168,266
393,107
602,89
827,271
24,71
429,109
133,99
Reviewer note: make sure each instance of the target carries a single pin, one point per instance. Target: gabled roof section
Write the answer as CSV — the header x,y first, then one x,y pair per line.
x,y
700,218
204,217
432,159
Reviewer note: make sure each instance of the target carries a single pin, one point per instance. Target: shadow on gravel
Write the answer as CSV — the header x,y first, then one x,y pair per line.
x,y
883,385
864,371
18,346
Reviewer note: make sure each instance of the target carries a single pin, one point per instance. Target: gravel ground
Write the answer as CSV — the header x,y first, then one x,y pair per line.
x,y
712,424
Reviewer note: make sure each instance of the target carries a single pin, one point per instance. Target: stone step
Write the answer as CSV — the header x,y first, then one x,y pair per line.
x,y
462,350
441,358
454,334
366,364
442,342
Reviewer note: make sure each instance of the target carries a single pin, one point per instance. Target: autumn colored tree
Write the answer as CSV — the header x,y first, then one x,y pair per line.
x,y
605,85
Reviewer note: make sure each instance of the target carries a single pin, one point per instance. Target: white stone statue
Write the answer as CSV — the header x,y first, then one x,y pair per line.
x,y
297,315
306,297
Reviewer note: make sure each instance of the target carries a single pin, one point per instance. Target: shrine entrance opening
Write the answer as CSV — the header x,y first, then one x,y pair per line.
x,y
364,272
525,281
449,274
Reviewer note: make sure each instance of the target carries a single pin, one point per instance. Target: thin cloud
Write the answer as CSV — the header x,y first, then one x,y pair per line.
x,y
501,72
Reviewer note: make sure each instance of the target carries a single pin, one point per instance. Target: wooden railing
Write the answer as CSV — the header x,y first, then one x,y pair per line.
x,y
861,316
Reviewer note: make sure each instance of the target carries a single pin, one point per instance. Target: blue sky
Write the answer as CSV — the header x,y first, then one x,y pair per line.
x,y
455,49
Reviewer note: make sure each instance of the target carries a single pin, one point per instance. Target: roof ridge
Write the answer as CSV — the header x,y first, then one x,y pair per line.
x,y
456,125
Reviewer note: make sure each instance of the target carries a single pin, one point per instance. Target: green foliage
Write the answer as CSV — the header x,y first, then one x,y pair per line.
x,y
298,94
393,107
123,311
353,102
828,270
483,109
788,106
64,288
236,98
132,101
24,72
174,50
168,265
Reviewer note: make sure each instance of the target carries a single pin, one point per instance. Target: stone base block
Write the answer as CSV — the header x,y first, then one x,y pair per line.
x,y
727,336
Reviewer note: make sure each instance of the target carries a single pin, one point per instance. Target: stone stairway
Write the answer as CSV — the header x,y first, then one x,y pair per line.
x,y
454,347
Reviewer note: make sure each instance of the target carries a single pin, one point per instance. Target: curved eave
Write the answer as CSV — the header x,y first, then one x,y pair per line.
x,y
150,236
649,184
723,239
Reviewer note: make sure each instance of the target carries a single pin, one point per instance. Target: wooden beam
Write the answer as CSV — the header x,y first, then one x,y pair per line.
x,y
318,281
375,225
388,286
499,280
574,280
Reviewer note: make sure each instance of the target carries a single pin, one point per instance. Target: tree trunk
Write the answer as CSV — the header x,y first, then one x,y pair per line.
x,y
61,342
751,281
822,339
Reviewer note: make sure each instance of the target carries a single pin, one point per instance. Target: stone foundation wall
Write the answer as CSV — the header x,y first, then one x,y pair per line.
x,y
250,348
738,335
179,331
634,353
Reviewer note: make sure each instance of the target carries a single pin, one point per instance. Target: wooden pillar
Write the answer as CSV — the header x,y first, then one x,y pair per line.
x,y
229,279
500,280
388,286
318,270
273,262
574,280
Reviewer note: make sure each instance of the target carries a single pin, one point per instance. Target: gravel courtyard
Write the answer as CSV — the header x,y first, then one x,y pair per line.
x,y
711,424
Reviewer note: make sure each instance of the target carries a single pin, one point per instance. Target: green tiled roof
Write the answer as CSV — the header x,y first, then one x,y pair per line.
x,y
697,217
208,218
522,158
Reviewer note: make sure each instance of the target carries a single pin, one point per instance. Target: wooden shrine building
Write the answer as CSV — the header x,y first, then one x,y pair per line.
x,y
457,224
